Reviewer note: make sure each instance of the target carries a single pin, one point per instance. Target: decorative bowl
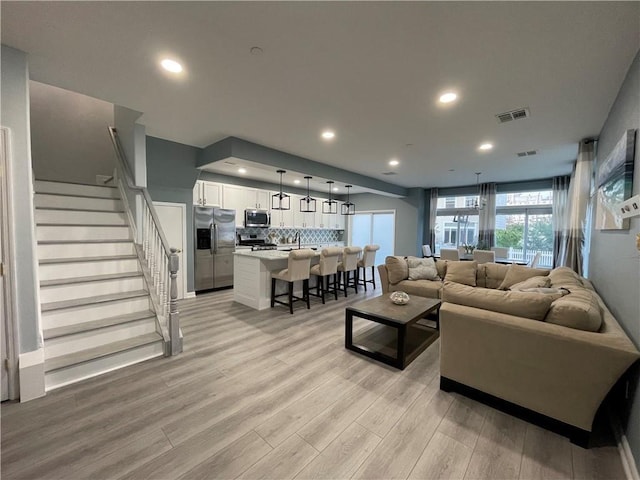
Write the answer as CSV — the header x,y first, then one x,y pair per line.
x,y
399,298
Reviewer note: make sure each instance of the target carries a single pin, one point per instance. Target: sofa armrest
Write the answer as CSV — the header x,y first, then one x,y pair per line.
x,y
384,278
553,370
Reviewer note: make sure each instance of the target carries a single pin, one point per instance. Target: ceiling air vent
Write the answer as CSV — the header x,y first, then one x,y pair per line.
x,y
528,153
513,115
388,173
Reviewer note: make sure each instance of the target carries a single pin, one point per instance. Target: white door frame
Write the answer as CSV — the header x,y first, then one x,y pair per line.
x,y
7,294
183,265
390,211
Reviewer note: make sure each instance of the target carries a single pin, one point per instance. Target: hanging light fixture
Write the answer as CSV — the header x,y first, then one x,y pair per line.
x,y
348,208
307,204
330,206
280,201
480,203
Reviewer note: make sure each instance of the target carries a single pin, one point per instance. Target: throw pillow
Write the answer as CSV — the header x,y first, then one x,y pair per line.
x,y
520,304
565,277
397,269
518,273
533,282
462,272
422,269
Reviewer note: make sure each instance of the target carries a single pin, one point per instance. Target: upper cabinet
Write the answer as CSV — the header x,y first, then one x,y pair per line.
x,y
207,194
242,198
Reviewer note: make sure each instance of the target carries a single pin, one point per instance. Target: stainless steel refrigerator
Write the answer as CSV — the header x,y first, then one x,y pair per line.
x,y
215,242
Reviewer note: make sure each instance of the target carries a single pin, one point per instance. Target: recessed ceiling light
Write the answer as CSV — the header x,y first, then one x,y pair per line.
x,y
242,170
171,65
448,97
393,162
485,146
335,189
296,181
328,135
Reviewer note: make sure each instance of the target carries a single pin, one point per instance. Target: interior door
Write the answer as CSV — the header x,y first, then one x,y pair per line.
x,y
173,222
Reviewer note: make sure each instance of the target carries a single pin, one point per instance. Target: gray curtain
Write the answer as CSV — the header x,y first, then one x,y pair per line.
x,y
560,215
433,211
572,246
487,216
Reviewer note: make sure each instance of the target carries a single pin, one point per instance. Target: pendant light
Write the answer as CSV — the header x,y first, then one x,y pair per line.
x,y
330,206
348,208
280,201
479,203
307,204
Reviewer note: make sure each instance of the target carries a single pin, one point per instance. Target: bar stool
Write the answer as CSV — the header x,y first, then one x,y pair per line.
x,y
328,266
297,269
348,265
368,259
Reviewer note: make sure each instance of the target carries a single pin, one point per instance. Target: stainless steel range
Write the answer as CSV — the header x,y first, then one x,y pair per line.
x,y
256,242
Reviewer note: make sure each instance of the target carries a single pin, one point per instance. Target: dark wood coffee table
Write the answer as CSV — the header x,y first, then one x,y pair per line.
x,y
410,338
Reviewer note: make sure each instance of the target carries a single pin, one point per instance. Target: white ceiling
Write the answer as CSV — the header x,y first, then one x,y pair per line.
x,y
372,71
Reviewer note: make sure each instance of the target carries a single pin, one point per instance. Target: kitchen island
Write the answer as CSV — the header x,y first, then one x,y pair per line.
x,y
252,276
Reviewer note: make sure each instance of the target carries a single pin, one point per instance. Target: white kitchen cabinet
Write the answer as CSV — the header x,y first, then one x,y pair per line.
x,y
321,220
233,197
263,199
207,194
284,218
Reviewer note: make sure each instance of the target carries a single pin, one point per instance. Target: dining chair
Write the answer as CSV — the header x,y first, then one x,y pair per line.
x,y
501,252
535,260
297,269
327,267
484,256
368,260
449,254
426,251
461,251
348,266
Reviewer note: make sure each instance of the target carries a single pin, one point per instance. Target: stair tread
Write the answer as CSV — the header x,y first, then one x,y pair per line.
x,y
49,333
40,180
79,302
74,358
79,210
63,242
49,224
49,261
91,278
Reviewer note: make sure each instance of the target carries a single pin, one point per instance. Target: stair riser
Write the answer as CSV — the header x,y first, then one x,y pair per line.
x,y
59,293
42,186
83,341
73,374
74,250
76,315
54,233
72,217
85,269
78,203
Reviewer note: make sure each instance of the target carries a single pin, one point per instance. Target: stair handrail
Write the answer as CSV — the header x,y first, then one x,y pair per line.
x,y
161,261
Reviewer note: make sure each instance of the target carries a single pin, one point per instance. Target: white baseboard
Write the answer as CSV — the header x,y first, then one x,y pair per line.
x,y
190,295
31,369
626,456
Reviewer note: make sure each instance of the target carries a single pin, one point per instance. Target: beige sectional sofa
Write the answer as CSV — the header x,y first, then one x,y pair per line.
x,y
550,357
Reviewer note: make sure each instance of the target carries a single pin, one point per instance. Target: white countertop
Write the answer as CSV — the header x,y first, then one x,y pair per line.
x,y
267,254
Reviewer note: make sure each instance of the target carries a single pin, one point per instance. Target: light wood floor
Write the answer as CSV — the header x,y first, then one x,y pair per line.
x,y
273,395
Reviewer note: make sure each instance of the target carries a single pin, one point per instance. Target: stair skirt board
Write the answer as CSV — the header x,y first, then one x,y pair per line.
x,y
78,217
55,271
72,250
92,368
82,232
64,188
74,203
87,313
57,293
60,346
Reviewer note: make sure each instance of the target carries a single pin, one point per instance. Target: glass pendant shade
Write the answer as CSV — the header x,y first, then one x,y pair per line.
x,y
307,204
280,201
348,208
330,206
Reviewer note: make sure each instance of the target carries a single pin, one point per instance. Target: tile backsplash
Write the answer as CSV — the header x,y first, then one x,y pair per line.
x,y
307,235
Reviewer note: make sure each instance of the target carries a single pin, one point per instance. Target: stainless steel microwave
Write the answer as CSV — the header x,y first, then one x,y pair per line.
x,y
257,218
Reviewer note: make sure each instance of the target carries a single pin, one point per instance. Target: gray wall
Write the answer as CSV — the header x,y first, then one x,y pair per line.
x,y
409,214
69,136
614,260
171,175
15,116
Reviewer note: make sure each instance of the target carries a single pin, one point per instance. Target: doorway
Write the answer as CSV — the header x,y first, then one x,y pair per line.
x,y
173,220
374,227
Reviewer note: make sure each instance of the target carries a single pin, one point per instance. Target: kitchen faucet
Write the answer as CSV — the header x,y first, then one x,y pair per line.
x,y
297,237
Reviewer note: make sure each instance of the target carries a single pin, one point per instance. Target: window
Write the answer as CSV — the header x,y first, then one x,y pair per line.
x,y
456,222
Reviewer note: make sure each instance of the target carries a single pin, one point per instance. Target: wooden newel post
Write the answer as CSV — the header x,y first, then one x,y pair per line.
x,y
174,315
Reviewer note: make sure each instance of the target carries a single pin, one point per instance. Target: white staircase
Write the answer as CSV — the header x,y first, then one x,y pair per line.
x,y
97,314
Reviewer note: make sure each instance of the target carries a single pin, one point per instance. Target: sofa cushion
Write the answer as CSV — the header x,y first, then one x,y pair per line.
x,y
462,272
422,269
519,273
522,304
420,288
564,277
579,310
494,274
441,266
397,269
539,281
